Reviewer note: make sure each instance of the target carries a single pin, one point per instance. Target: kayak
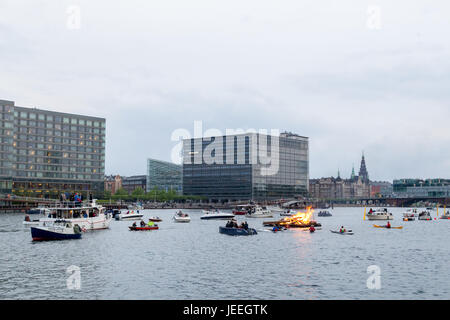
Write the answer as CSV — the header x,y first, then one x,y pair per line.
x,y
350,232
143,228
377,226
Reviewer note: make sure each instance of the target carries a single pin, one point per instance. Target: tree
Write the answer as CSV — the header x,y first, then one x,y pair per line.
x,y
138,193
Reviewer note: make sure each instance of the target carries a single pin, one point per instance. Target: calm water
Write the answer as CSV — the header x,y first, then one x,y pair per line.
x,y
194,261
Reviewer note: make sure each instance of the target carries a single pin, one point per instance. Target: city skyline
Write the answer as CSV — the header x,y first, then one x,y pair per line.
x,y
310,68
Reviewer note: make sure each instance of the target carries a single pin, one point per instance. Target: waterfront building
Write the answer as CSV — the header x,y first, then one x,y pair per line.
x,y
381,189
45,153
247,166
405,188
113,183
133,182
355,187
164,175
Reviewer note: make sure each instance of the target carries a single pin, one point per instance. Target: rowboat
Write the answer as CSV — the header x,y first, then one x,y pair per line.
x,y
377,226
143,228
237,231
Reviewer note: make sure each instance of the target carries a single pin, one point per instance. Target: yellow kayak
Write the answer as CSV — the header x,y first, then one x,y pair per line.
x,y
377,226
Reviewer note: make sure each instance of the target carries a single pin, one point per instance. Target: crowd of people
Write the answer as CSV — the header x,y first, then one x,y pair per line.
x,y
233,224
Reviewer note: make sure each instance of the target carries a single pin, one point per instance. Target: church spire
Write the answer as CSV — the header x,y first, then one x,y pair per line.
x,y
363,170
353,172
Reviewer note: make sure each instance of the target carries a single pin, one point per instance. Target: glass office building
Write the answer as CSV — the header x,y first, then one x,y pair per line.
x,y
250,166
45,153
422,188
164,176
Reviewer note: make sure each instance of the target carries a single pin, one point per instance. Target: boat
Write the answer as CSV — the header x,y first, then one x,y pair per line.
x,y
56,230
425,215
276,209
380,214
324,214
386,227
129,215
88,216
287,213
155,219
237,231
259,212
243,209
410,215
132,228
445,215
181,217
217,215
347,232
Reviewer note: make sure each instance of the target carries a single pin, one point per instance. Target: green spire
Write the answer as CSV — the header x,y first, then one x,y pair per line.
x,y
353,172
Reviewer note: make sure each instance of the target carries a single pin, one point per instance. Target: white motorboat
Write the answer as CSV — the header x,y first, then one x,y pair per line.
x,y
181,217
445,215
425,215
216,214
276,209
56,230
88,216
410,215
259,212
287,213
379,214
129,215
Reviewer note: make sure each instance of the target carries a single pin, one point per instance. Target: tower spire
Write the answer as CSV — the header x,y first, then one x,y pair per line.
x,y
363,173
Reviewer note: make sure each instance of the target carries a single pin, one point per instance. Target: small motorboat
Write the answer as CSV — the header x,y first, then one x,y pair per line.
x,y
425,215
324,214
259,212
387,227
287,213
146,228
58,230
155,219
445,216
181,217
381,214
346,232
237,231
217,215
129,215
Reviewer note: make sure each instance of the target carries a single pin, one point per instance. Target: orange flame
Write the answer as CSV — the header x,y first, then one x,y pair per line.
x,y
301,218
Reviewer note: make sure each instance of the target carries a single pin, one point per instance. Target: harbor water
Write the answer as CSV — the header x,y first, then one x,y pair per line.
x,y
193,261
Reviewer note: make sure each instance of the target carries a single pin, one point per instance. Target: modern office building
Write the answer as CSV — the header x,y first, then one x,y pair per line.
x,y
248,166
45,153
421,188
164,175
133,182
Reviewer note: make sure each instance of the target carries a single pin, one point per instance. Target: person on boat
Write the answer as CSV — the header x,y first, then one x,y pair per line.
x,y
370,211
150,223
142,223
342,230
134,224
27,218
388,225
245,225
312,229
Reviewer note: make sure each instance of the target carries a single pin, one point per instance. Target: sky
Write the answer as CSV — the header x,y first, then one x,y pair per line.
x,y
352,75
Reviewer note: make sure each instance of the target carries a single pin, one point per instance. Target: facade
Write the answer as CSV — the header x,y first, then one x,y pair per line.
x,y
247,166
45,153
356,187
164,175
421,188
381,189
132,183
113,183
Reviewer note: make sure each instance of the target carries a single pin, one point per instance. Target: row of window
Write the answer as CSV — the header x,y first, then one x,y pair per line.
x,y
58,119
25,126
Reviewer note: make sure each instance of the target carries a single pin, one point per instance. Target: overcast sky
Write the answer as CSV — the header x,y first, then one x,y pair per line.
x,y
335,71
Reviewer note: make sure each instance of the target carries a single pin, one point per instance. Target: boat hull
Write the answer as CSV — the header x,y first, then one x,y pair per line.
x,y
380,217
143,228
237,231
342,233
39,234
217,216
